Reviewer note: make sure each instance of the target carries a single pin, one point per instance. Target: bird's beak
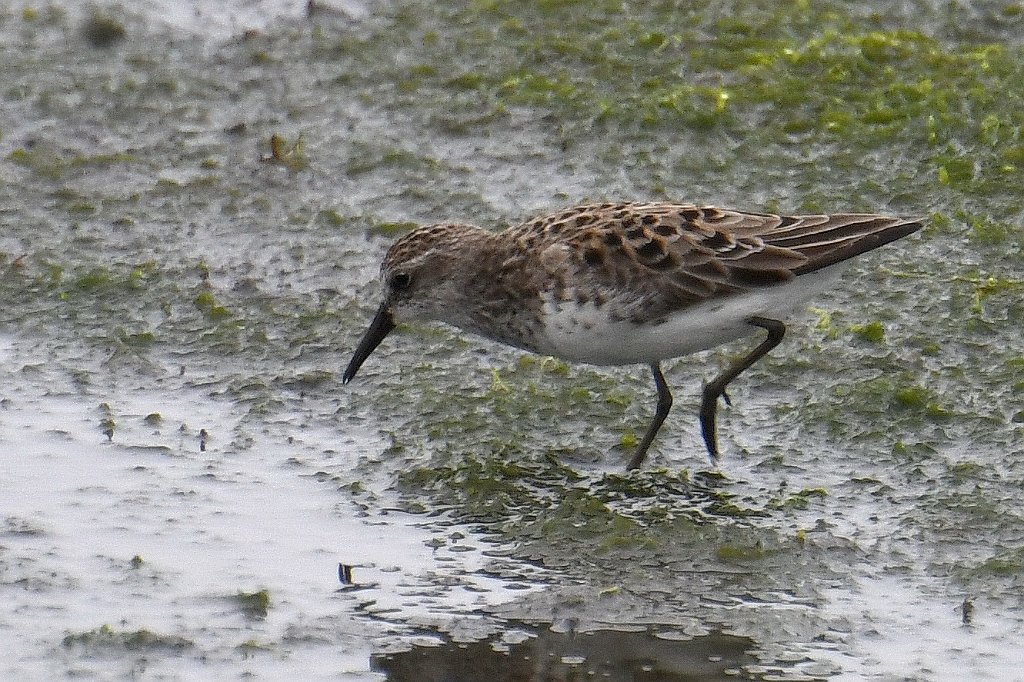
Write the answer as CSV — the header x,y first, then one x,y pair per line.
x,y
383,322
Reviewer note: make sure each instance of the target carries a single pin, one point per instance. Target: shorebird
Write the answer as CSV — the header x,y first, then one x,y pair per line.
x,y
625,283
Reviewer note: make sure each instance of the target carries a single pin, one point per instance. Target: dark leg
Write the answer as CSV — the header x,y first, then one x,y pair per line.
x,y
709,402
664,405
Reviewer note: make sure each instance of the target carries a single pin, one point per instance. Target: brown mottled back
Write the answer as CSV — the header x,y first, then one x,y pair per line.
x,y
675,255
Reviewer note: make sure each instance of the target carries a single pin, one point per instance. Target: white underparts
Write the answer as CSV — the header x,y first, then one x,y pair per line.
x,y
587,333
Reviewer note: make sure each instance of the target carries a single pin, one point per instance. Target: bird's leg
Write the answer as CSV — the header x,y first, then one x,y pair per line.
x,y
664,405
709,403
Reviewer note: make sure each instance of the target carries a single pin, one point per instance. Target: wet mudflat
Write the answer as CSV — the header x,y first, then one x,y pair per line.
x,y
193,204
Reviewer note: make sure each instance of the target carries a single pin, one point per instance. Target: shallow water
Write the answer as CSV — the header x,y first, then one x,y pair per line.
x,y
147,532
182,472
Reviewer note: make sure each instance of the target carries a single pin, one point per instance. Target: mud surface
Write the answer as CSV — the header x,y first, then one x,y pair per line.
x,y
193,205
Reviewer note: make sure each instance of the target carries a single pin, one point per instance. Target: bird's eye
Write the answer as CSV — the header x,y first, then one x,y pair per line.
x,y
401,280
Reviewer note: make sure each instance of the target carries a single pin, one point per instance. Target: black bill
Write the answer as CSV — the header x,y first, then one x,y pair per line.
x,y
382,323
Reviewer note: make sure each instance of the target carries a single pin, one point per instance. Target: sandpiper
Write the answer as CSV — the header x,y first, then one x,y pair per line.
x,y
625,283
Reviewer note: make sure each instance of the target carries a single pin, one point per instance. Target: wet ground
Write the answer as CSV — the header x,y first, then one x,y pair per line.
x,y
193,204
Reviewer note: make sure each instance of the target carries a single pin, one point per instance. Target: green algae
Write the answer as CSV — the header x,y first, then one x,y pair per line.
x,y
1010,564
93,279
800,499
784,71
900,393
47,162
251,647
106,637
254,604
738,554
103,30
207,303
392,229
983,287
872,332
550,503
107,423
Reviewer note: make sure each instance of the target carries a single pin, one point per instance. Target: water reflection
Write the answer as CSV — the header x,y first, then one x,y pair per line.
x,y
543,655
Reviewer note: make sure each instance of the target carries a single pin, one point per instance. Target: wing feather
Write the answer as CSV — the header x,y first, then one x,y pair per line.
x,y
681,254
